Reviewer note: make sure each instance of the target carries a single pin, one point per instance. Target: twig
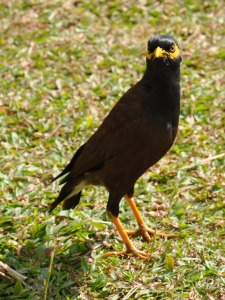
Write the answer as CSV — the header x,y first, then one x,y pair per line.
x,y
46,282
213,157
13,273
131,292
202,162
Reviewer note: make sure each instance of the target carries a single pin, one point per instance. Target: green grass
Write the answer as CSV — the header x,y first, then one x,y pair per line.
x,y
63,65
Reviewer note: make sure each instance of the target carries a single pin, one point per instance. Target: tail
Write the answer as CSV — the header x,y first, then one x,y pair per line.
x,y
69,167
70,199
69,203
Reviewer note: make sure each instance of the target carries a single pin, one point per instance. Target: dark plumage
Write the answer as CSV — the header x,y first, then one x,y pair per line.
x,y
136,134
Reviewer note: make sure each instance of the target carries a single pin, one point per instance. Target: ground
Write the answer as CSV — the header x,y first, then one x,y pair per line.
x,y
64,64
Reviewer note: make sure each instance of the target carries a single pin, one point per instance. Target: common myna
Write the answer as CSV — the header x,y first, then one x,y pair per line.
x,y
135,135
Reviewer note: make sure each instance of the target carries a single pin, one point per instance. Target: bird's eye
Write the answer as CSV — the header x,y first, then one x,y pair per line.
x,y
172,48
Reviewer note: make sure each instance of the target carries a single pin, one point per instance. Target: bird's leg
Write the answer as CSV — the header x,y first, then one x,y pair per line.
x,y
144,230
130,247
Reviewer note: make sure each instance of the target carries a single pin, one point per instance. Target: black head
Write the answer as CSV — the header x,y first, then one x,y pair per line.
x,y
163,46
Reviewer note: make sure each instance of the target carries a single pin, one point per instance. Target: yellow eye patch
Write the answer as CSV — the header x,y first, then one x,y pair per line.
x,y
159,52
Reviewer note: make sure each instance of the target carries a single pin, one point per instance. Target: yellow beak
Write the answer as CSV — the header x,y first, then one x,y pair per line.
x,y
159,52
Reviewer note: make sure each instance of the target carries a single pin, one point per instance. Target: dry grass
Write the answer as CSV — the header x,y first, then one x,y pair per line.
x,y
63,66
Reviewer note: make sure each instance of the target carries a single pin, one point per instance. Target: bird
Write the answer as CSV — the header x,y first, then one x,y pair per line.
x,y
135,135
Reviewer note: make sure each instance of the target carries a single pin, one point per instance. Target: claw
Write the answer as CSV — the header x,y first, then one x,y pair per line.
x,y
131,249
147,232
144,230
134,251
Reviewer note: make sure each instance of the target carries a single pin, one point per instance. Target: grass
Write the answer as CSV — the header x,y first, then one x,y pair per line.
x,y
63,65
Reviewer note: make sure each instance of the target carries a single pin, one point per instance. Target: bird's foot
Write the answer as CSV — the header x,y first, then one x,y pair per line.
x,y
129,251
147,233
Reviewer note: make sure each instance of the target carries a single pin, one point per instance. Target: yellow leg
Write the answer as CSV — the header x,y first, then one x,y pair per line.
x,y
143,229
130,247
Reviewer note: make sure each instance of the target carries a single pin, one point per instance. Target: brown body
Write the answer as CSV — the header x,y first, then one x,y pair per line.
x,y
135,135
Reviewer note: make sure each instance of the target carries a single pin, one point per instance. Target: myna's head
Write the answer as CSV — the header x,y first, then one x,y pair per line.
x,y
163,47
